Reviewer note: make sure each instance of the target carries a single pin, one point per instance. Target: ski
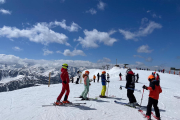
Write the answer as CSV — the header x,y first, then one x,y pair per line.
x,y
70,104
125,104
143,114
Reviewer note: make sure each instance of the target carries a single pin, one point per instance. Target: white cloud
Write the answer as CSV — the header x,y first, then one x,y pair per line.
x,y
39,33
3,11
101,5
2,1
59,52
75,52
92,11
149,59
148,11
144,49
104,60
73,28
144,30
93,37
47,52
16,48
62,0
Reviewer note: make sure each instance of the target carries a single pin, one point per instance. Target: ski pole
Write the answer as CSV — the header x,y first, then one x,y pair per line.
x,y
142,97
130,88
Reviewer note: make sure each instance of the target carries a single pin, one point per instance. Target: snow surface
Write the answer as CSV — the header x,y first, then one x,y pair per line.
x,y
26,104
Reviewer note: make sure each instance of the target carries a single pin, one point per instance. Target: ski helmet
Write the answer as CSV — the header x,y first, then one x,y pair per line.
x,y
65,66
129,69
86,72
103,72
151,77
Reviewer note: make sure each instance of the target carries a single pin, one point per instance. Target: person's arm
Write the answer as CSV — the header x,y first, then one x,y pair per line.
x,y
85,78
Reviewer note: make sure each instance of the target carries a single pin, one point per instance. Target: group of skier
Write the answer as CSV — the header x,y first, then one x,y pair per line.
x,y
154,89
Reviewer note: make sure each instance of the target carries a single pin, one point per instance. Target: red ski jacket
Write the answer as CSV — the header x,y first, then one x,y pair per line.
x,y
64,75
155,89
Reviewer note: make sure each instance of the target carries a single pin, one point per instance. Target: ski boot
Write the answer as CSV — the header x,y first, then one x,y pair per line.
x,y
80,96
58,103
148,117
136,104
66,102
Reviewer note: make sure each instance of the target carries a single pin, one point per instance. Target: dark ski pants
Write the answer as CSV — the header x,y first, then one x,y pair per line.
x,y
94,80
137,79
77,82
98,79
65,87
149,106
131,96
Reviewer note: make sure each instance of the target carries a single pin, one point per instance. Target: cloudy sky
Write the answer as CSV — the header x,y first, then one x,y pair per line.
x,y
137,32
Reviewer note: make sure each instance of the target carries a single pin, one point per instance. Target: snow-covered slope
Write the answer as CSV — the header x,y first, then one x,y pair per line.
x,y
26,104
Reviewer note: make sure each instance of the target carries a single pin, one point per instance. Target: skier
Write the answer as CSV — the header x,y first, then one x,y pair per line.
x,y
94,77
137,76
130,86
78,77
108,76
65,85
98,77
155,90
120,76
157,78
86,86
103,79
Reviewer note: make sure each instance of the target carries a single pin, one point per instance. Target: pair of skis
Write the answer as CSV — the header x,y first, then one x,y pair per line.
x,y
146,116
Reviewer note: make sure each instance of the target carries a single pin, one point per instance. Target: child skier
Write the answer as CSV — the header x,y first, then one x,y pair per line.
x,y
94,78
103,79
86,86
155,90
130,86
65,85
120,76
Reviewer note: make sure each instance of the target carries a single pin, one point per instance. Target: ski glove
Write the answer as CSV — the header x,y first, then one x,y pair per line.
x,y
144,87
107,81
64,82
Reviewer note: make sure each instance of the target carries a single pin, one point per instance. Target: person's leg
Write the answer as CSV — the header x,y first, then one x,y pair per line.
x,y
67,92
156,109
103,90
133,97
83,91
149,106
62,92
86,92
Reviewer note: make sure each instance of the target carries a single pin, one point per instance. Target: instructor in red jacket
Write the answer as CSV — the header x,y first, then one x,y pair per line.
x,y
65,85
155,90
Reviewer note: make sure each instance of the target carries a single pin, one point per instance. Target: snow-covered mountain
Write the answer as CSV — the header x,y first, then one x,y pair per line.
x,y
16,76
26,104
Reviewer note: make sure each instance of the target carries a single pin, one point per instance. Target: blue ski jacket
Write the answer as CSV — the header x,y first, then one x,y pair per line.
x,y
103,79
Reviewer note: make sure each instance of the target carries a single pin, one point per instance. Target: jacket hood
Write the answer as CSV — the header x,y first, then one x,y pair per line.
x,y
155,82
130,72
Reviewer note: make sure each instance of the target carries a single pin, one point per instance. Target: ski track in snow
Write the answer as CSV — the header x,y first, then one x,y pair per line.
x,y
26,104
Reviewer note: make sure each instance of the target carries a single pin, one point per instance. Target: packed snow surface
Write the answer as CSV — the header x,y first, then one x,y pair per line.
x,y
26,104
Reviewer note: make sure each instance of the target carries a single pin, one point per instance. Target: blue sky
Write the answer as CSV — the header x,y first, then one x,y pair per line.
x,y
141,32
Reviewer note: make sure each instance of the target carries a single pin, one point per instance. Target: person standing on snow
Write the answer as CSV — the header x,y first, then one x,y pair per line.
x,y
120,76
108,76
94,78
137,77
157,76
78,77
155,90
103,79
130,86
65,85
86,86
98,77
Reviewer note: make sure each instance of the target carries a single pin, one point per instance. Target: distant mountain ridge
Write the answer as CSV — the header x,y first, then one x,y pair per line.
x,y
17,76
